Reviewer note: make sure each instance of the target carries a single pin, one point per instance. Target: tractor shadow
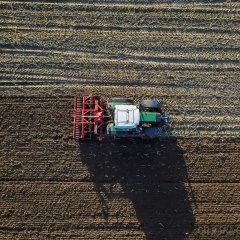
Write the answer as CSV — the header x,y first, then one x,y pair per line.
x,y
152,177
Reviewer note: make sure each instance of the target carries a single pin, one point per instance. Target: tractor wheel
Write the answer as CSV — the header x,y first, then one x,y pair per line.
x,y
151,105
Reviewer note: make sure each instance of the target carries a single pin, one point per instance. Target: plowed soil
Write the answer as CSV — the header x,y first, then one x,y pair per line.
x,y
52,187
187,54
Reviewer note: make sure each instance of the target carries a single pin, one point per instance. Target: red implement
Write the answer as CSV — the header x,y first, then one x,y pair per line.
x,y
88,117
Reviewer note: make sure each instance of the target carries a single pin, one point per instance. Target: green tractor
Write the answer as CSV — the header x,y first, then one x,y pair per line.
x,y
119,118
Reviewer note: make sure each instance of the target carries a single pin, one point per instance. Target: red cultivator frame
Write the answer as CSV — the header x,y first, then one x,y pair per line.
x,y
88,117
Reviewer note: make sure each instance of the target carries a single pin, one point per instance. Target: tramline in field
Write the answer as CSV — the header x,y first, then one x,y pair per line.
x,y
118,118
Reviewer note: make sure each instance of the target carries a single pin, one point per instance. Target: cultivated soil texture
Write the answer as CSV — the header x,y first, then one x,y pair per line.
x,y
186,54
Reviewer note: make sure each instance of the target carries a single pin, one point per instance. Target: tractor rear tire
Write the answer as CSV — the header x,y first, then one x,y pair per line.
x,y
151,105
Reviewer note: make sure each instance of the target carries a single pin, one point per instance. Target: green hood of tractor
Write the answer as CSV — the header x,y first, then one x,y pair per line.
x,y
148,117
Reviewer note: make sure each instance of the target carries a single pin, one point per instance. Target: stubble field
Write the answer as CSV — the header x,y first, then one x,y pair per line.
x,y
186,54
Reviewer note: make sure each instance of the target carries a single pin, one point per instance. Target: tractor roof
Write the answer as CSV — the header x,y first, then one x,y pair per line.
x,y
126,116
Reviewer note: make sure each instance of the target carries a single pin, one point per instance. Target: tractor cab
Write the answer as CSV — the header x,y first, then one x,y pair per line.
x,y
126,116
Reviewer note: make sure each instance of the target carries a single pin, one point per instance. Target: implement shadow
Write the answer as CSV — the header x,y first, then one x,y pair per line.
x,y
152,176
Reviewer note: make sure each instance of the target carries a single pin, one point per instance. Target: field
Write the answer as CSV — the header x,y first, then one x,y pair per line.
x,y
186,54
